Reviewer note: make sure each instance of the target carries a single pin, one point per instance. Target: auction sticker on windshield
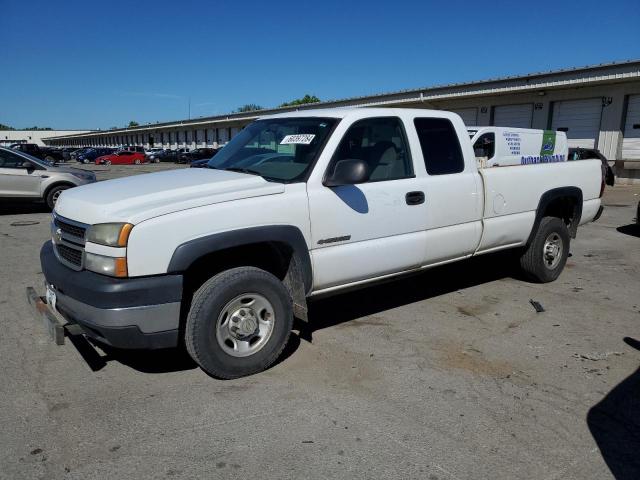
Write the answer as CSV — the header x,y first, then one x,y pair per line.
x,y
299,139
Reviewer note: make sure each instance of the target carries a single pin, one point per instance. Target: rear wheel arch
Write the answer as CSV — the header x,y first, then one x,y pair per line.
x,y
564,203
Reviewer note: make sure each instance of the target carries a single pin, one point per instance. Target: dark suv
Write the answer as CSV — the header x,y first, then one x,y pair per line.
x,y
197,154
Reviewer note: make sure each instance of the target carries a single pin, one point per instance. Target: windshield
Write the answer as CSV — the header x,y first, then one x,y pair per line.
x,y
279,149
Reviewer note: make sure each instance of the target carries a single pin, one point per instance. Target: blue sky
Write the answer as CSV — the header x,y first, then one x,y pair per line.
x,y
89,64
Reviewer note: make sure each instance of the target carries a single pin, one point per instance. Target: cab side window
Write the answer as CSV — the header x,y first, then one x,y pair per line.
x,y
382,144
440,146
10,160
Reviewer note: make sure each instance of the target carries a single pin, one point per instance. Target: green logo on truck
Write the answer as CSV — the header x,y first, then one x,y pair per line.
x,y
548,143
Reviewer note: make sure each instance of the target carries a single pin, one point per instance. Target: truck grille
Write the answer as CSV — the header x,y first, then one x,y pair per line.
x,y
70,229
71,255
68,239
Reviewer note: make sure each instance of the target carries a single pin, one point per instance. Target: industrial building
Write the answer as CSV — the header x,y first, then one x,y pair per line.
x,y
597,106
39,137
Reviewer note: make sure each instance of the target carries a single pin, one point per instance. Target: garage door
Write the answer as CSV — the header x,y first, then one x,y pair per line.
x,y
631,139
469,115
518,116
580,119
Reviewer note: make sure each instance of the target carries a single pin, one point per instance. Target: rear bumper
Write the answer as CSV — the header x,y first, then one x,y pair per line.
x,y
126,313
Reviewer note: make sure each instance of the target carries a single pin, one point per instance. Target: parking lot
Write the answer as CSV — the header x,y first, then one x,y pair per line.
x,y
451,374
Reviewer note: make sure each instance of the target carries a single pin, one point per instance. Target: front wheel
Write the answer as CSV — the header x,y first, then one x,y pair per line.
x,y
545,257
136,161
239,322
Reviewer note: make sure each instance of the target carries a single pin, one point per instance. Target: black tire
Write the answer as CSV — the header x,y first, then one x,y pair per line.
x,y
535,263
207,305
52,195
50,159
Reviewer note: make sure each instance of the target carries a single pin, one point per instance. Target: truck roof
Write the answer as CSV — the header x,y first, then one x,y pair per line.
x,y
362,112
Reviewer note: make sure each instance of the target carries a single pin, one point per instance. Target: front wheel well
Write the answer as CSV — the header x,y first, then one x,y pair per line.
x,y
277,258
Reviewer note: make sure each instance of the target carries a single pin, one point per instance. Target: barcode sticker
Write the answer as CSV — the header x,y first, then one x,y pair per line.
x,y
300,139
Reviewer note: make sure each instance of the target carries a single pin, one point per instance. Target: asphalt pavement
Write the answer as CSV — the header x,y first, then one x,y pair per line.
x,y
451,374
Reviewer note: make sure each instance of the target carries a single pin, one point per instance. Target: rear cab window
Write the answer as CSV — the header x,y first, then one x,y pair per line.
x,y
440,146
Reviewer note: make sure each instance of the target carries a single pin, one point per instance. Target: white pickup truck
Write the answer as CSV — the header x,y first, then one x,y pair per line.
x,y
297,205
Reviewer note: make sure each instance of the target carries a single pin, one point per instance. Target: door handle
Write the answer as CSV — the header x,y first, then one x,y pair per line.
x,y
414,198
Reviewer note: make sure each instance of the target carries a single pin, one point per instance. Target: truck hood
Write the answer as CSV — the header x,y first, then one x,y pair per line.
x,y
138,198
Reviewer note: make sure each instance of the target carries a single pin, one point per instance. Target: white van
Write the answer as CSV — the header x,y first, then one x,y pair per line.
x,y
503,146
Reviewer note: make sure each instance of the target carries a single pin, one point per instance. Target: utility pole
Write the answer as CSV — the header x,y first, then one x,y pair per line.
x,y
189,108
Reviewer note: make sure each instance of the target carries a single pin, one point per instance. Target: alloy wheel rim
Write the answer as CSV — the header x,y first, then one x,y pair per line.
x,y
245,325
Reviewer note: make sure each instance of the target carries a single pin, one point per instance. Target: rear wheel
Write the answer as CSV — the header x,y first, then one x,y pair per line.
x,y
54,194
50,159
545,257
239,322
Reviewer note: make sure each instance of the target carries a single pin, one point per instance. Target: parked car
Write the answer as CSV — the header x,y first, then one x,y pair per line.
x,y
51,155
169,156
155,155
200,163
90,154
77,152
134,148
591,153
295,208
123,157
197,154
66,153
25,177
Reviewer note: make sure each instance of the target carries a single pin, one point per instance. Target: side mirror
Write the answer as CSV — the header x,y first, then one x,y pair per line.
x,y
348,172
28,165
479,152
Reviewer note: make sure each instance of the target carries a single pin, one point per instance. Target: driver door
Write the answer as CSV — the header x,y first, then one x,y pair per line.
x,y
370,229
15,180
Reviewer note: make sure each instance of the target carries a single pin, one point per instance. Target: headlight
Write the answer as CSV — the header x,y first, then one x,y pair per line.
x,y
84,176
112,266
110,234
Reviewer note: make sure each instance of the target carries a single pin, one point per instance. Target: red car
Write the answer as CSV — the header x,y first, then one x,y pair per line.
x,y
122,157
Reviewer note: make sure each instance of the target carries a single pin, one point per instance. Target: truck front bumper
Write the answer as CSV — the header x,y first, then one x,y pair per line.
x,y
139,312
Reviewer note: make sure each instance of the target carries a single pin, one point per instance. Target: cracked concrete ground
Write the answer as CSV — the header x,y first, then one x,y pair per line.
x,y
447,375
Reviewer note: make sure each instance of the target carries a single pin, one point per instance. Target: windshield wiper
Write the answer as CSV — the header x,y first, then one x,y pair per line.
x,y
243,170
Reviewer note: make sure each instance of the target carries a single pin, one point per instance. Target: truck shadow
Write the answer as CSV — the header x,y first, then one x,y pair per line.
x,y
614,423
331,311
